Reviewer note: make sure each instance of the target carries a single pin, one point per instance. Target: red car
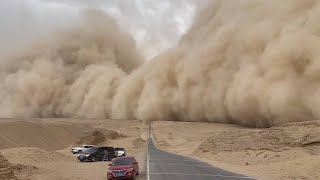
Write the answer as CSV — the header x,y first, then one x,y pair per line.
x,y
123,168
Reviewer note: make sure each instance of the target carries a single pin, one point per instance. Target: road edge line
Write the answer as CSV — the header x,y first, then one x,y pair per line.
x,y
148,168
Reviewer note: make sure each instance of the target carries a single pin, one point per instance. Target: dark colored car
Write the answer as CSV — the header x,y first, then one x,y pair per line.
x,y
111,152
97,154
123,168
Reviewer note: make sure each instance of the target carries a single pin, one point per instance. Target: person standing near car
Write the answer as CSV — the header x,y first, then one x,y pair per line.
x,y
105,155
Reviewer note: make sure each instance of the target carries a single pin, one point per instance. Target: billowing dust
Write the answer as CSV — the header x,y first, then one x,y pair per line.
x,y
254,63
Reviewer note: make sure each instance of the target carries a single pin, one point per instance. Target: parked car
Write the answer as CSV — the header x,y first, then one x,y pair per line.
x,y
97,154
76,150
123,168
111,152
120,152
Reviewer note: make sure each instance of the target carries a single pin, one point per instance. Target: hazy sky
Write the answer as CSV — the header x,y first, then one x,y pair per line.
x,y
155,24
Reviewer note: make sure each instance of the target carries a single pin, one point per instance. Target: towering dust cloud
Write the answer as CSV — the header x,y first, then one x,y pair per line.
x,y
74,74
254,63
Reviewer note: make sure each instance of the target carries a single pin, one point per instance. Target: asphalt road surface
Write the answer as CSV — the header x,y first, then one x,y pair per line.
x,y
168,166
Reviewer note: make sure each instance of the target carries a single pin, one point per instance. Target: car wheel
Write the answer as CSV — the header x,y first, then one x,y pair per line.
x,y
93,159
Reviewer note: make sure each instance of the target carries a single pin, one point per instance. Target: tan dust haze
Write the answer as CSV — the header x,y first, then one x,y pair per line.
x,y
74,74
254,63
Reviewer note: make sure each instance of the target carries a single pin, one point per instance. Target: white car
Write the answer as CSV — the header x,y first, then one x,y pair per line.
x,y
120,152
80,149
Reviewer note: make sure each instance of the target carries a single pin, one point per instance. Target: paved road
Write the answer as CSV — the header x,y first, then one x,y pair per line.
x,y
168,166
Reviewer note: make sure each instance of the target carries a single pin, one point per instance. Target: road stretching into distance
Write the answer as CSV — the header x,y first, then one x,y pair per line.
x,y
163,165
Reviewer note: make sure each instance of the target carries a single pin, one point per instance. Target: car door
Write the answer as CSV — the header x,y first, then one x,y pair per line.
x,y
99,154
111,153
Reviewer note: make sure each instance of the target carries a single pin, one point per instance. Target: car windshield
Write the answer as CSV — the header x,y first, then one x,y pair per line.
x,y
119,149
119,162
90,150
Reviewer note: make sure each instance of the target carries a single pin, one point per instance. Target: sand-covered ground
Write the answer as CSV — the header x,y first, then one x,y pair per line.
x,y
37,149
290,151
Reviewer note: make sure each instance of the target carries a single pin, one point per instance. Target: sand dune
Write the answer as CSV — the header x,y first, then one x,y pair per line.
x,y
38,149
285,152
45,136
6,171
94,137
275,139
139,143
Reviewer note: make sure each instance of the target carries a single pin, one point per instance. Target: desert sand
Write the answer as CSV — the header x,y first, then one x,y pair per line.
x,y
290,151
37,149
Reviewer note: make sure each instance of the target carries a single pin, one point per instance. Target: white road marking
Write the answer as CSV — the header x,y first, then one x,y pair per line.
x,y
148,168
148,159
211,175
